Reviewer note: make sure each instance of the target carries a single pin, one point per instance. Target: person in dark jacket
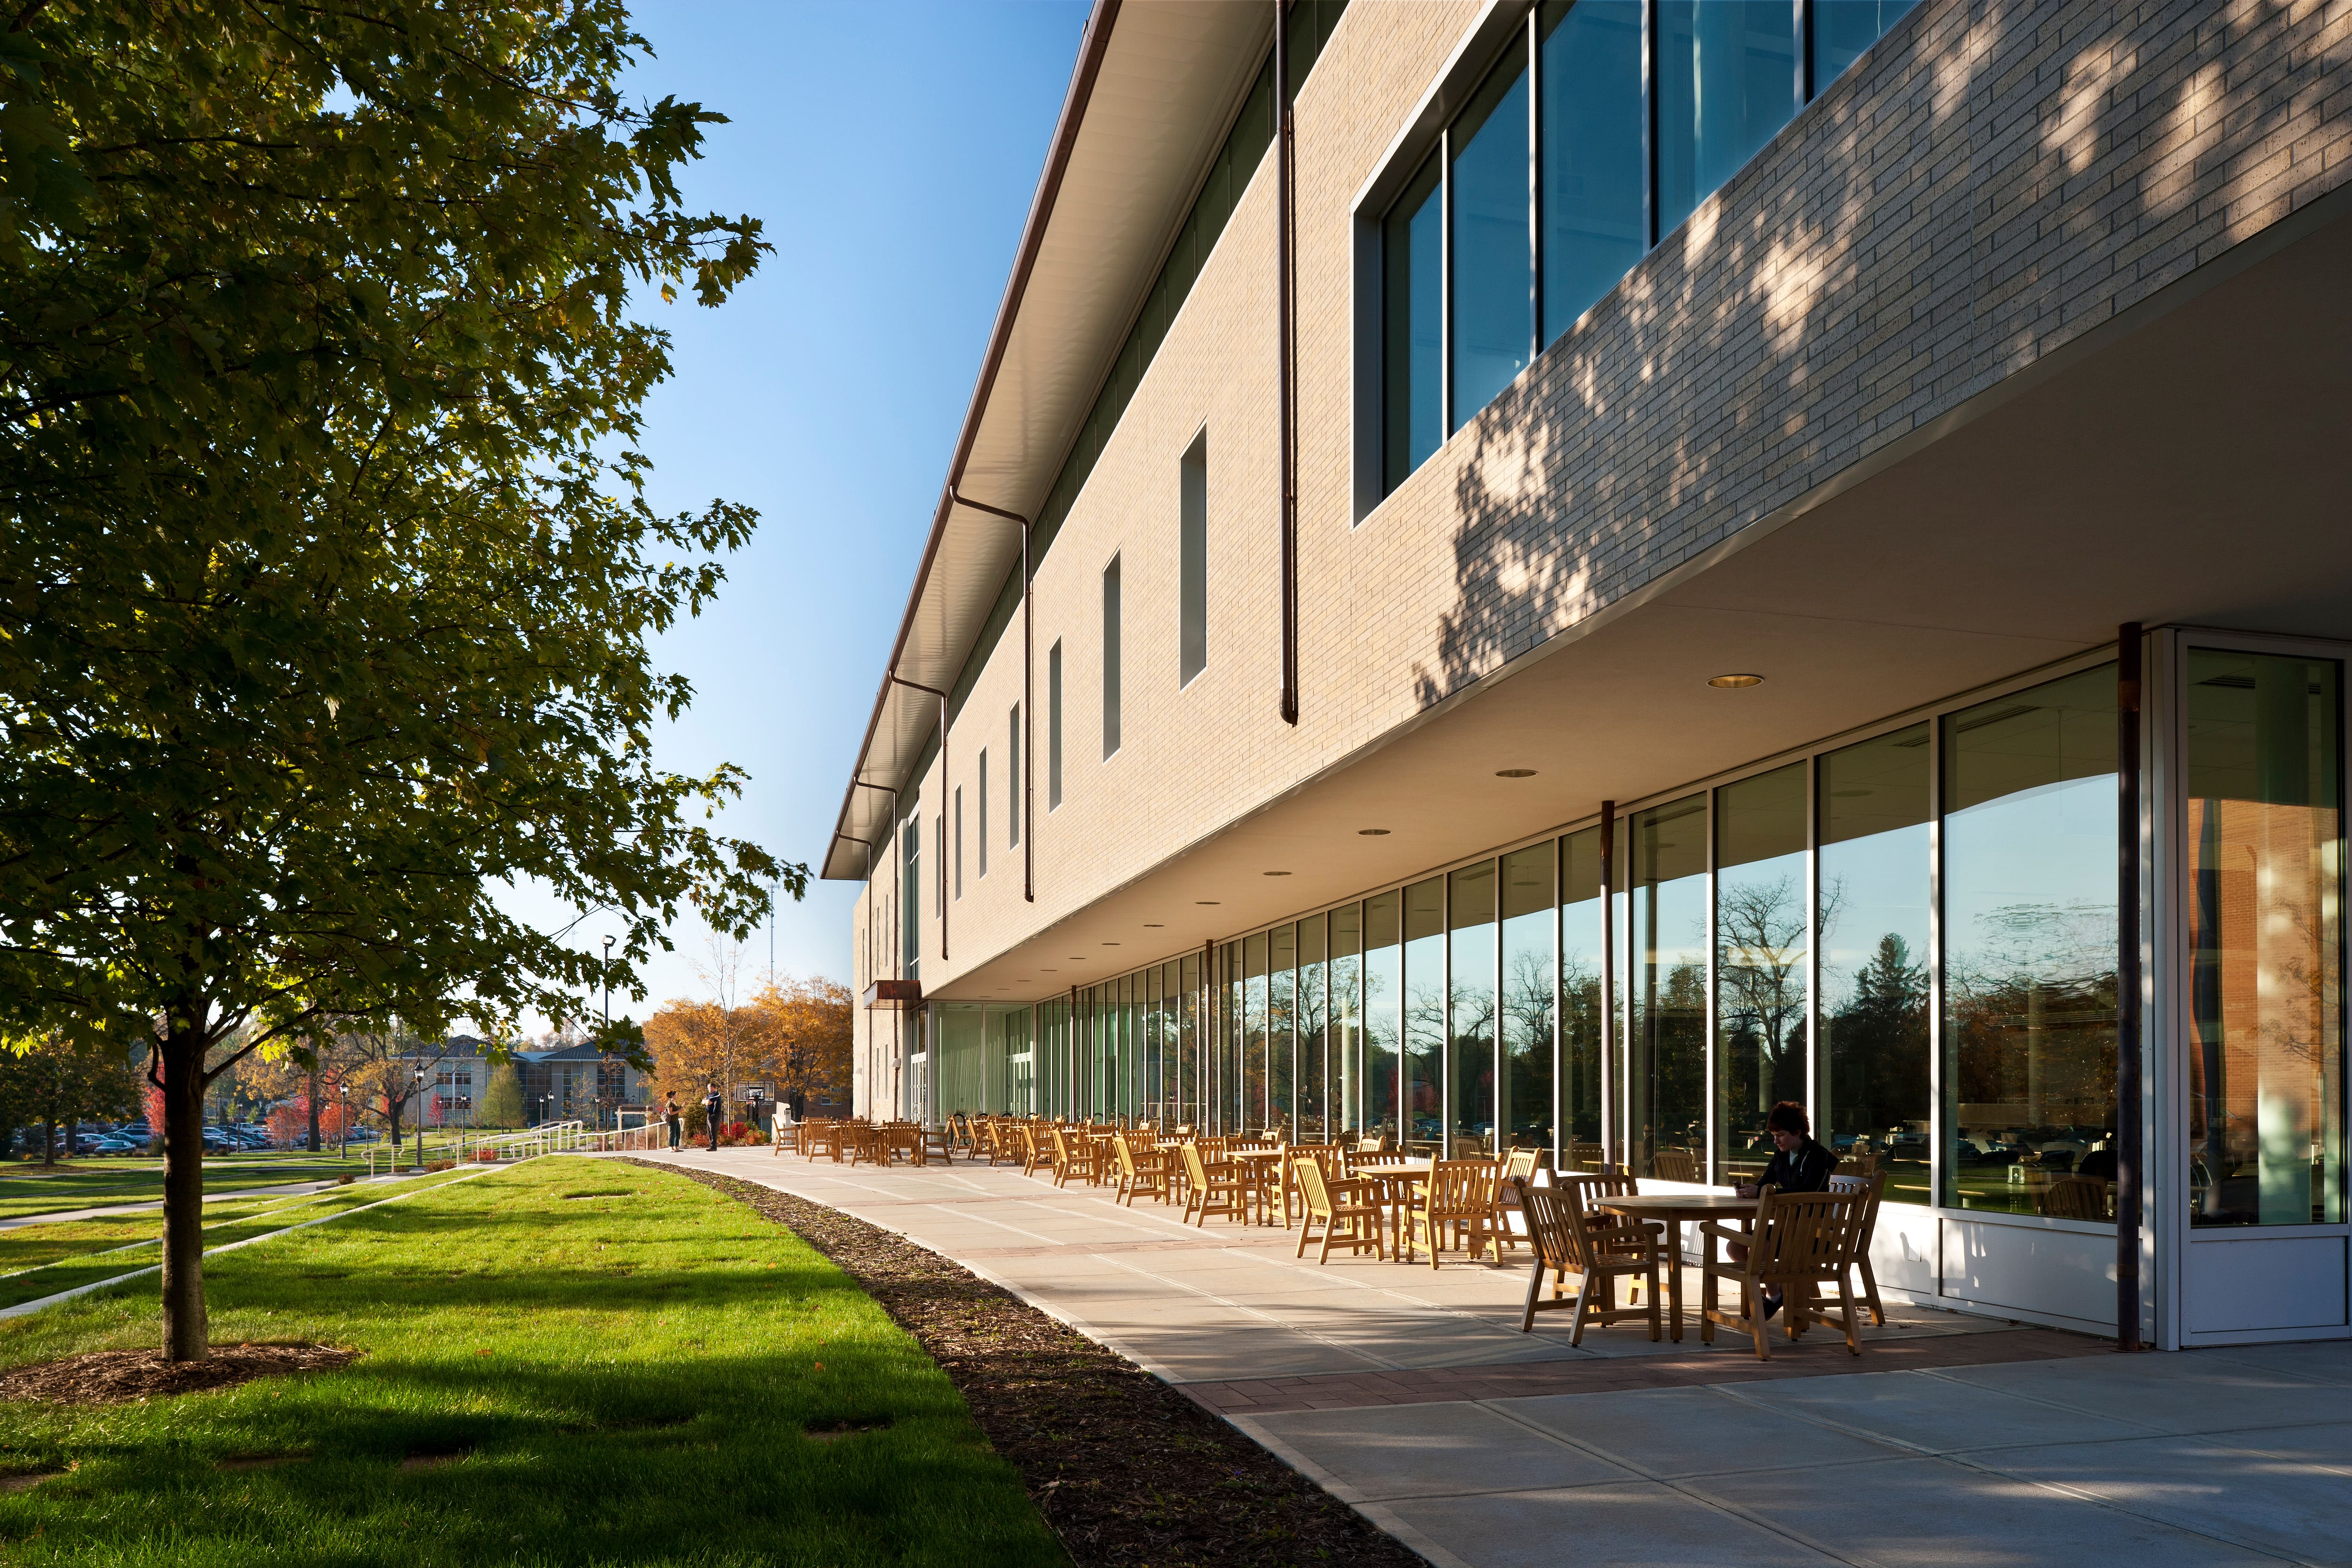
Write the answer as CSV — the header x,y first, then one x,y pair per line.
x,y
1799,1165
714,1106
675,1117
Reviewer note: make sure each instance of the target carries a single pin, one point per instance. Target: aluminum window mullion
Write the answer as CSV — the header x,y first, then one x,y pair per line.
x,y
1535,216
1812,1080
1936,1160
1714,876
1445,286
1649,126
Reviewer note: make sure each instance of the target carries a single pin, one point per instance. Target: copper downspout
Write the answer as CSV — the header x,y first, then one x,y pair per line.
x,y
1028,699
900,679
2129,1139
1286,346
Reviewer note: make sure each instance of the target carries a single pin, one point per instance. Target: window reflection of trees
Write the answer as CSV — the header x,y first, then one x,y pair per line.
x,y
1760,974
1526,1008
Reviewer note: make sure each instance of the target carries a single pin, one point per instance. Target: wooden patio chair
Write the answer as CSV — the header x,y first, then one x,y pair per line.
x,y
1673,1166
1220,1188
1801,1241
1037,1148
1075,1155
817,1138
1372,1143
1873,1186
1598,1255
1519,1166
2080,1197
1345,1210
1144,1173
1458,1201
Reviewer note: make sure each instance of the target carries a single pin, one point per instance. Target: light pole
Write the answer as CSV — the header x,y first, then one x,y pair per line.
x,y
343,1120
420,1115
607,974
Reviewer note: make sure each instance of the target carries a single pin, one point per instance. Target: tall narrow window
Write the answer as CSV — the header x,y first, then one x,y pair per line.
x,y
1760,962
2265,836
1192,565
1347,1069
981,822
1314,1030
1282,1030
910,898
1726,81
1012,779
1524,1004
1111,660
939,858
1054,726
1424,1016
1873,1098
1413,280
1581,1036
1384,1010
1666,1077
1470,1013
1593,171
2029,890
1843,29
1493,279
959,841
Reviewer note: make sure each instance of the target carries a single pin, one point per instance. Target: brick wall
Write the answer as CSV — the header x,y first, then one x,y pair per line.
x,y
1991,182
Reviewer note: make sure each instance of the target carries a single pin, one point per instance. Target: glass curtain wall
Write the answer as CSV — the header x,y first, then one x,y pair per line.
x,y
2265,859
1666,1077
1254,1115
1229,1054
2030,950
1470,1011
1761,951
1483,262
1581,1035
1871,1098
1525,1006
1424,1016
1313,1013
1282,1029
1349,1067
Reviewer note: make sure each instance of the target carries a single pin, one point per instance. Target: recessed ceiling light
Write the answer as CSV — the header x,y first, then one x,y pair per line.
x,y
1049,971
1208,904
1515,772
1277,873
1734,681
1371,833
1110,944
1153,925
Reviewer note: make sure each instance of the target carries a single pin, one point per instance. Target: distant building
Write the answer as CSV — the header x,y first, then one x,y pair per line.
x,y
565,1083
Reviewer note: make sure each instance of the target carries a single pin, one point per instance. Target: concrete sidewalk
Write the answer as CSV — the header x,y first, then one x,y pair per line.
x,y
1411,1394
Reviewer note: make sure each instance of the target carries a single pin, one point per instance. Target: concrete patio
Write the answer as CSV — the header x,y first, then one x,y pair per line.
x,y
1411,1395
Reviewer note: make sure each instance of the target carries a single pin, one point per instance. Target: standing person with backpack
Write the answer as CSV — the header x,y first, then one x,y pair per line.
x,y
714,1106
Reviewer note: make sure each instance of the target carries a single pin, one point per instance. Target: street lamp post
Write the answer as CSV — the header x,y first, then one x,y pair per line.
x,y
607,974
343,1121
420,1116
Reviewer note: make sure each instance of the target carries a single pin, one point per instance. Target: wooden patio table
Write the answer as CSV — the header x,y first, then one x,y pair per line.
x,y
1674,1208
1393,1183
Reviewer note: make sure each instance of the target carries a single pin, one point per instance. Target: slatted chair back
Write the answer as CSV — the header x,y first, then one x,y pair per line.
x,y
1673,1166
1212,1188
1037,1145
1873,1190
1350,1217
1564,1245
1457,1201
2079,1198
1372,1143
1143,1171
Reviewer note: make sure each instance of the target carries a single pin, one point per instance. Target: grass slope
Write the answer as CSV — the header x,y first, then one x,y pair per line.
x,y
623,1364
89,1184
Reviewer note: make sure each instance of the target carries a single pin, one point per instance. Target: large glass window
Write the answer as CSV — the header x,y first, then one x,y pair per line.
x,y
1012,781
1527,1001
982,822
2265,855
1728,79
1494,273
1347,1018
1192,561
1282,1028
1760,962
1054,725
1231,1087
1871,1100
1254,1073
1188,1036
1384,1010
1413,281
1470,1011
1425,1015
1581,1032
1313,1018
1595,177
1843,29
2030,948
1665,1079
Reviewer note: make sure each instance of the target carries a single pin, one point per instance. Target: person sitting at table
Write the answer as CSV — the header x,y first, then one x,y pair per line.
x,y
1801,1165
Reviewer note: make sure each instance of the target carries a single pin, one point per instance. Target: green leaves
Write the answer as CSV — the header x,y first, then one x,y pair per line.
x,y
326,583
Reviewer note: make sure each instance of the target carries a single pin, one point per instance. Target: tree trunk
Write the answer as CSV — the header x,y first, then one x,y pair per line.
x,y
314,1112
186,1336
50,1139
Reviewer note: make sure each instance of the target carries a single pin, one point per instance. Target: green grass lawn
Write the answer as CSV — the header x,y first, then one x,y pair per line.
x,y
96,1184
626,1365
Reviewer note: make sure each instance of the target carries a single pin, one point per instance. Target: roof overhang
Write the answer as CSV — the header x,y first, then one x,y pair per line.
x,y
1153,91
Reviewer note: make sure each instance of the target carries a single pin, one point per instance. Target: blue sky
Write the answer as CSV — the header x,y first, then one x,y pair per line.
x,y
891,152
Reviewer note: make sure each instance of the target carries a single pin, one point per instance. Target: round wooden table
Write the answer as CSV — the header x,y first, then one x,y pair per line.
x,y
1672,1209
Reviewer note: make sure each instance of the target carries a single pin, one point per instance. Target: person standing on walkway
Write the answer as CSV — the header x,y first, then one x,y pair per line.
x,y
675,1117
714,1106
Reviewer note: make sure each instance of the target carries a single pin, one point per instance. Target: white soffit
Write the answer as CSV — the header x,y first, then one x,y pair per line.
x,y
1172,74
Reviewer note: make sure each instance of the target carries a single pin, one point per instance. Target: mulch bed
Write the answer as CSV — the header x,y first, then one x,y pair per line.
x,y
1126,1469
117,1377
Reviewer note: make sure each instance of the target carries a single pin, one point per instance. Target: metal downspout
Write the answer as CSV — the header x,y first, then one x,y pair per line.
x,y
1286,331
1028,699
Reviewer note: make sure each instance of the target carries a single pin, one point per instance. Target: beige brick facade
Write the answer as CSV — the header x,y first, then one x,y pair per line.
x,y
1992,181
